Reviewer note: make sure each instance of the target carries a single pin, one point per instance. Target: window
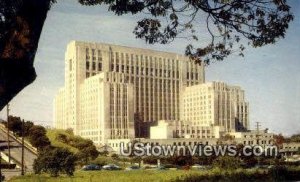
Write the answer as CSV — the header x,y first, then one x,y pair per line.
x,y
87,65
70,64
99,66
94,66
99,55
123,68
87,53
111,67
117,57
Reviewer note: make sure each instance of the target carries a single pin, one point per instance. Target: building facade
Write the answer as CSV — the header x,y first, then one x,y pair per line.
x,y
183,129
215,104
98,76
106,85
106,108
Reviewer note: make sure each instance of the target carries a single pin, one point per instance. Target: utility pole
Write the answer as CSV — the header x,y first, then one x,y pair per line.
x,y
257,132
257,138
0,167
8,142
22,167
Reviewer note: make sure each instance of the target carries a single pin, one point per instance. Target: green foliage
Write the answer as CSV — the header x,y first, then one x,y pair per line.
x,y
37,137
54,161
60,138
27,126
15,125
294,138
256,22
36,134
84,149
152,160
115,156
279,172
227,163
244,175
103,160
250,161
87,154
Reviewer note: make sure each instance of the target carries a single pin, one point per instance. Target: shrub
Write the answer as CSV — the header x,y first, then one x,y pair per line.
x,y
37,137
54,161
227,162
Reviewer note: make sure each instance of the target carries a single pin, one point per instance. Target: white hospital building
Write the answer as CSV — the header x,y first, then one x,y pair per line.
x,y
105,85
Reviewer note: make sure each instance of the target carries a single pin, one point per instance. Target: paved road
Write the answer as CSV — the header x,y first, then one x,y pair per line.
x,y
16,151
10,173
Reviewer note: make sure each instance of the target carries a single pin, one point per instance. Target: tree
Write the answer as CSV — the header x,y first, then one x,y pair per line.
x,y
279,140
87,154
231,24
295,138
260,22
27,126
54,161
15,125
180,160
226,139
227,162
21,23
38,138
87,150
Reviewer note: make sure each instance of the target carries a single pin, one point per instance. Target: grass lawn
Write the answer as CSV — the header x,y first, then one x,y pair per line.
x,y
216,174
96,176
52,134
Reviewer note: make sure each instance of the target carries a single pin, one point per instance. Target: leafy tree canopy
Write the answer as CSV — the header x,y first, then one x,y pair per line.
x,y
55,161
230,23
227,162
38,137
258,22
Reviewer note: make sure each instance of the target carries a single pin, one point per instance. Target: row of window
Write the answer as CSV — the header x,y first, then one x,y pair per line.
x,y
94,66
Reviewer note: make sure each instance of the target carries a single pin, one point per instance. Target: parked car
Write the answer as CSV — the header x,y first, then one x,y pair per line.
x,y
172,166
148,167
130,168
258,166
111,167
91,167
199,167
161,168
155,168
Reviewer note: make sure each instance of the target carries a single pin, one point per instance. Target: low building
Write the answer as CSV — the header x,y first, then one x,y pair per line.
x,y
180,129
253,137
291,151
117,144
163,135
292,146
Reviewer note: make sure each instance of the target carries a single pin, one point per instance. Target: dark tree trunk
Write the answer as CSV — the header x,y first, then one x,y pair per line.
x,y
18,48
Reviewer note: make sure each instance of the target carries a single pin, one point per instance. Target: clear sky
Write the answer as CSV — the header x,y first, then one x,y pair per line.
x,y
269,75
